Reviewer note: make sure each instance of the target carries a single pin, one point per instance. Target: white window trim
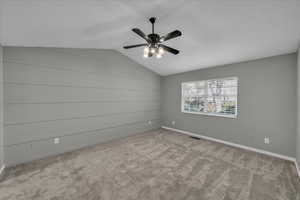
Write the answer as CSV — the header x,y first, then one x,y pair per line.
x,y
211,114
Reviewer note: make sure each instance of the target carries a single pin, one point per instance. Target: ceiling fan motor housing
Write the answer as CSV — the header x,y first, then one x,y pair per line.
x,y
154,38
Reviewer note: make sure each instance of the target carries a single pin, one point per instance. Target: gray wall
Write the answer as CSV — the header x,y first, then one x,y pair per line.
x,y
298,120
1,106
86,97
83,97
267,103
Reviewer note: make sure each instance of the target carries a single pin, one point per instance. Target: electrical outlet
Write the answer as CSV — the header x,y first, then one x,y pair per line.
x,y
173,122
149,122
56,141
267,140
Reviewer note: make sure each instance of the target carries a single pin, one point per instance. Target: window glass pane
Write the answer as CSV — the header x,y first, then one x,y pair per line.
x,y
230,82
194,104
228,104
218,96
229,91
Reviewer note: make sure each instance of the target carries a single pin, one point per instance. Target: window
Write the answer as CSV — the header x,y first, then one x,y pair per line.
x,y
216,97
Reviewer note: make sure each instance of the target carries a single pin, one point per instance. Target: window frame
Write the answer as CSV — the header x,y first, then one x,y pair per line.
x,y
233,116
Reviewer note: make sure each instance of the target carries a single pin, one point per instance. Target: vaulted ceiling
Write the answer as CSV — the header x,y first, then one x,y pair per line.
x,y
215,32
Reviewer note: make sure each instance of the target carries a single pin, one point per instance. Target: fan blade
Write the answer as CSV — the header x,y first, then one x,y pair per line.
x,y
169,49
140,33
171,35
133,46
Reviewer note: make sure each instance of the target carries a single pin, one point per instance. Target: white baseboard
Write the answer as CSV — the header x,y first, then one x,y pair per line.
x,y
297,167
232,144
237,145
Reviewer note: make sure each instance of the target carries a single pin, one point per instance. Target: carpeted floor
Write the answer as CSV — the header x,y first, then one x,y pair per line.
x,y
154,165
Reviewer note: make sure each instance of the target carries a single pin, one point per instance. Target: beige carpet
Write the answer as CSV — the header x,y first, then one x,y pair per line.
x,y
154,165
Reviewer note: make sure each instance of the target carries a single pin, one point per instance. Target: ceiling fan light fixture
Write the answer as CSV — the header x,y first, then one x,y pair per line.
x,y
153,50
161,51
146,55
153,45
146,50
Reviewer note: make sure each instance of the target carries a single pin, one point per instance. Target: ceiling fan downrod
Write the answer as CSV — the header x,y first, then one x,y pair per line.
x,y
152,20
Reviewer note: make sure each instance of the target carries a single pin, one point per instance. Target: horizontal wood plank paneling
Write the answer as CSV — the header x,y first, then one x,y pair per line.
x,y
83,96
22,73
41,130
25,152
28,113
24,93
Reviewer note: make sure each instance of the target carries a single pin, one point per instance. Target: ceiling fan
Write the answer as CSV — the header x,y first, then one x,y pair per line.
x,y
154,41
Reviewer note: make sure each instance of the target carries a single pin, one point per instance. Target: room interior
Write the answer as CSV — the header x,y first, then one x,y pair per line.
x,y
204,105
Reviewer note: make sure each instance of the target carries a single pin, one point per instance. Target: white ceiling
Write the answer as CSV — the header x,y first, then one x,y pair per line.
x,y
215,32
